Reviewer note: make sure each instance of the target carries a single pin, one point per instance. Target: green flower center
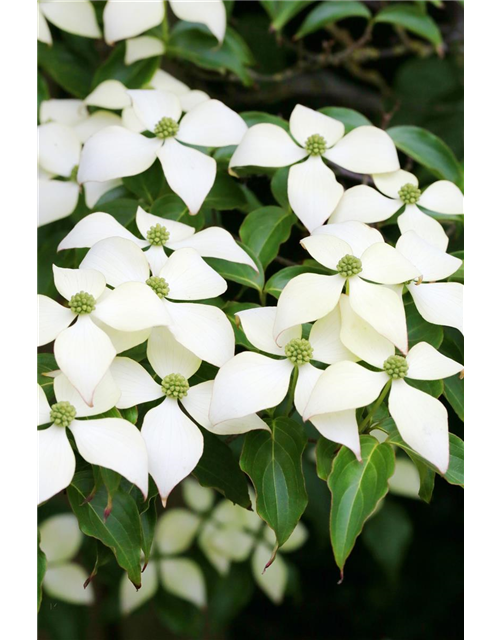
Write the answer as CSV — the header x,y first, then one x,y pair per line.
x,y
349,266
82,303
159,286
74,173
62,413
175,386
396,367
166,128
316,145
299,351
409,193
158,235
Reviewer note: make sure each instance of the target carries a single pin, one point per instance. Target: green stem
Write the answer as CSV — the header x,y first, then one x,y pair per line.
x,y
347,286
262,298
365,422
291,392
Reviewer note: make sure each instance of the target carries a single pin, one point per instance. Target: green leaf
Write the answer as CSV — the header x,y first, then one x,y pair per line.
x,y
218,469
65,68
133,76
454,393
350,118
122,530
427,477
226,194
40,572
122,209
230,308
406,15
189,43
279,187
357,489
434,388
458,276
46,363
419,330
455,473
282,12
330,12
258,117
171,207
42,91
325,453
147,185
265,230
148,525
273,461
240,273
278,281
429,150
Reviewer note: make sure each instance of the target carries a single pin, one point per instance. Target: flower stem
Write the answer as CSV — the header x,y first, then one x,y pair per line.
x,y
366,421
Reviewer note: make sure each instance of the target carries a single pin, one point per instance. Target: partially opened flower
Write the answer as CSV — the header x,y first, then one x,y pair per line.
x,y
313,190
117,152
60,540
420,418
202,328
437,302
252,382
59,149
74,16
360,258
128,19
113,443
173,439
401,191
83,350
158,234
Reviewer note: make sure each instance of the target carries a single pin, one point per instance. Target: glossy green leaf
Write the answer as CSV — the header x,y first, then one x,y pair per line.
x,y
325,453
429,150
265,230
273,461
327,13
171,207
454,393
258,117
349,117
226,194
40,572
427,477
279,187
419,330
121,532
147,185
280,279
218,469
123,209
67,69
282,12
357,488
406,15
148,525
455,473
241,273
133,76
46,363
434,388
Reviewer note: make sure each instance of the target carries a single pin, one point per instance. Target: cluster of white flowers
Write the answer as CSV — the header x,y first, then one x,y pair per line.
x,y
157,288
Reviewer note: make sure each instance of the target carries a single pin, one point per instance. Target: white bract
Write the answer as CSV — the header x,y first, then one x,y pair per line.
x,y
173,440
117,152
113,443
158,234
129,19
202,328
84,350
65,126
420,418
360,257
313,190
74,16
400,189
437,302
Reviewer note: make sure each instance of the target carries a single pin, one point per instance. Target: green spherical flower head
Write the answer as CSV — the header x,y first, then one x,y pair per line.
x,y
299,351
175,386
316,145
62,413
166,128
74,173
396,367
409,193
159,286
82,303
158,235
349,266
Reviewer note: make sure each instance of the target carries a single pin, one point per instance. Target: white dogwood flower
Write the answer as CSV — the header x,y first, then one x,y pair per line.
x,y
313,190
252,382
202,328
60,540
158,234
129,19
437,302
74,16
113,443
401,191
59,150
360,258
421,419
173,440
117,152
84,351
